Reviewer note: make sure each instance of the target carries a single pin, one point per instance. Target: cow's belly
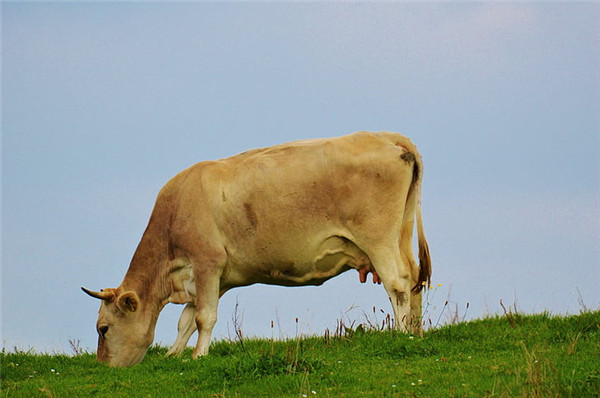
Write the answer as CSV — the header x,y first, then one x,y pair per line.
x,y
308,263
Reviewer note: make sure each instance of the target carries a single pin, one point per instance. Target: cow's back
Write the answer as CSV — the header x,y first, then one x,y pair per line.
x,y
280,207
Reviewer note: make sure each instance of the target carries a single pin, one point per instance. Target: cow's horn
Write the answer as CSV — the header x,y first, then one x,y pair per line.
x,y
102,295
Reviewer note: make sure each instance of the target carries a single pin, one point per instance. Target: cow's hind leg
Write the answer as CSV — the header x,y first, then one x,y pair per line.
x,y
416,313
415,319
185,328
396,278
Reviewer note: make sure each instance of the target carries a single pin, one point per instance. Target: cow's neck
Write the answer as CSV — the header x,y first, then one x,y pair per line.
x,y
149,267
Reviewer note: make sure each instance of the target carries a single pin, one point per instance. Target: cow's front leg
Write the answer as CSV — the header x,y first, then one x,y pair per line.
x,y
207,300
185,328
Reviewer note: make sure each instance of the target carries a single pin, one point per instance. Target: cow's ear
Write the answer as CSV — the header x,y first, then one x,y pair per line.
x,y
128,302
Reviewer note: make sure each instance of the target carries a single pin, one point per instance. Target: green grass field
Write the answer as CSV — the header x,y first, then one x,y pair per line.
x,y
510,356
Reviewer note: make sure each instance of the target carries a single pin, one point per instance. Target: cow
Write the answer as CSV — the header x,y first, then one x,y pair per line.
x,y
293,214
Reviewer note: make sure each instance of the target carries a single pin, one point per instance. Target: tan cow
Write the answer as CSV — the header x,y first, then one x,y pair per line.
x,y
293,214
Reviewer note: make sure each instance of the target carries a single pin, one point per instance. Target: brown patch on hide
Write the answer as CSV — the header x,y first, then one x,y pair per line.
x,y
172,249
400,298
288,269
410,158
251,215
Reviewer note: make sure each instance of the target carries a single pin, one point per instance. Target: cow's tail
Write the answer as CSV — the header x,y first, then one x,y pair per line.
x,y
413,213
424,279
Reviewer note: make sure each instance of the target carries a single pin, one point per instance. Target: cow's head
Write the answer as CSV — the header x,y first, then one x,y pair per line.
x,y
125,327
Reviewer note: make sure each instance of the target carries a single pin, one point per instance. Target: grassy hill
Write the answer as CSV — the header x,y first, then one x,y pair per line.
x,y
509,356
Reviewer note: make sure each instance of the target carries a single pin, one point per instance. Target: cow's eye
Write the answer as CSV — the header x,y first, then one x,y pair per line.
x,y
102,330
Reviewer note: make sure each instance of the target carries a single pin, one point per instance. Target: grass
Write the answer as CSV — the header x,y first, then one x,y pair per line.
x,y
510,356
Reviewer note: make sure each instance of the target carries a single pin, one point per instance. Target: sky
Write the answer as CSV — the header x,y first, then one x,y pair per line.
x,y
102,103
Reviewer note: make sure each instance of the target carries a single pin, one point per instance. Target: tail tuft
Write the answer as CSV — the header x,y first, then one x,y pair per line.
x,y
424,280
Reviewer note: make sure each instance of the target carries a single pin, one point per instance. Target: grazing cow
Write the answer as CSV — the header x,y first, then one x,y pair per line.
x,y
293,214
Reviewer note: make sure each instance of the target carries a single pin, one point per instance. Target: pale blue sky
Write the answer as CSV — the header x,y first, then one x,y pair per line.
x,y
103,102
